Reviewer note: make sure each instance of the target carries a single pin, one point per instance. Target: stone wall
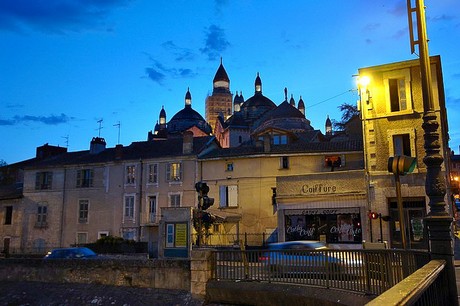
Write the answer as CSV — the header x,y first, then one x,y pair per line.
x,y
164,274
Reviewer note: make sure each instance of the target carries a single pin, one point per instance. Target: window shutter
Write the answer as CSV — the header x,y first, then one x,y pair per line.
x,y
37,181
168,172
232,196
222,196
79,178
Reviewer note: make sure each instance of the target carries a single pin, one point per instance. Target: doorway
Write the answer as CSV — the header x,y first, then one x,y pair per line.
x,y
414,211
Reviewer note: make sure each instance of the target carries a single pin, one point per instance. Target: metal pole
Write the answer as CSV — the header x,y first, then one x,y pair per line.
x,y
381,230
438,221
402,223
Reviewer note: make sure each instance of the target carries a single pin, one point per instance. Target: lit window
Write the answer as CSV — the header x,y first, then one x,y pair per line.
x,y
43,180
85,178
228,196
130,174
174,172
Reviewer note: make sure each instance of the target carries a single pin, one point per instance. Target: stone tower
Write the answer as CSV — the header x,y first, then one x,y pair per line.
x,y
220,102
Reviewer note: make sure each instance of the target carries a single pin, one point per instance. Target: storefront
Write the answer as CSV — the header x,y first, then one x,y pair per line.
x,y
329,207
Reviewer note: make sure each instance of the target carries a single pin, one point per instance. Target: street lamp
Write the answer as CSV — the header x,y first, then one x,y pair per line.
x,y
401,165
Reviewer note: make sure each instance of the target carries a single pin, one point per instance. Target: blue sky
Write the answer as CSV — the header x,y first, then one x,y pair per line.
x,y
65,65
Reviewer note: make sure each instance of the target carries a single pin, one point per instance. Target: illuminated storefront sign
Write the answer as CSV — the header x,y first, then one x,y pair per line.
x,y
341,225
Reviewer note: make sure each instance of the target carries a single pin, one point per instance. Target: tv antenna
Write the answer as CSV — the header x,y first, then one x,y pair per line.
x,y
66,140
100,126
119,128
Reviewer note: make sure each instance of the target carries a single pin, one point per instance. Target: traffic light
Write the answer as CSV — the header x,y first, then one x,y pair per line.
x,y
204,201
373,215
401,165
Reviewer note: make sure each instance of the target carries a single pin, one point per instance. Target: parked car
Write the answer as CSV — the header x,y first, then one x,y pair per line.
x,y
71,253
306,259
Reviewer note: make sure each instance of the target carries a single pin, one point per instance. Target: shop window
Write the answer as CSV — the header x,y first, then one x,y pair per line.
x,y
333,161
228,196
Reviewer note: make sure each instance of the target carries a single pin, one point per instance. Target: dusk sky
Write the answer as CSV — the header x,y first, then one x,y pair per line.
x,y
67,64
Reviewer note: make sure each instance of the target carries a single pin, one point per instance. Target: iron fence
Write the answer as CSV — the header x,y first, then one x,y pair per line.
x,y
364,271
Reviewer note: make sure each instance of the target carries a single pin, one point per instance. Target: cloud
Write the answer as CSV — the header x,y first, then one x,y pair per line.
x,y
400,9
443,17
400,33
371,27
181,54
159,72
56,16
48,120
456,76
215,42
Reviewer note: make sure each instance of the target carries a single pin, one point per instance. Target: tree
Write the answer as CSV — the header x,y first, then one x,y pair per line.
x,y
348,112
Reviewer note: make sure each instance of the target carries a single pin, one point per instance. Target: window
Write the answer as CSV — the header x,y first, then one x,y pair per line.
x,y
228,196
153,174
174,172
284,162
153,209
8,214
397,89
130,175
83,207
174,200
229,167
42,213
85,178
129,207
43,180
280,139
401,145
102,234
334,161
82,238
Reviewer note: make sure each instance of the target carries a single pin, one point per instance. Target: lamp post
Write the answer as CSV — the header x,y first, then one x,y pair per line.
x,y
438,221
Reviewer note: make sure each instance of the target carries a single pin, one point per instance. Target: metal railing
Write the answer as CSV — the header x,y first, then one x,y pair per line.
x,y
365,271
427,286
234,239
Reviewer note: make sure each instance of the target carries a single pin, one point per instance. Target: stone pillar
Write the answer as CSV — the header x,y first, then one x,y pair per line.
x,y
200,271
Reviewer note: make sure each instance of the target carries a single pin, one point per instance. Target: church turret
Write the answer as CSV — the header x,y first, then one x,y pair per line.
x,y
162,117
292,101
301,106
188,98
258,85
328,126
221,82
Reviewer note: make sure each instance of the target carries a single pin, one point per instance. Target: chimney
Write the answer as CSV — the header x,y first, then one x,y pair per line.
x,y
97,145
187,145
46,151
266,143
118,151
